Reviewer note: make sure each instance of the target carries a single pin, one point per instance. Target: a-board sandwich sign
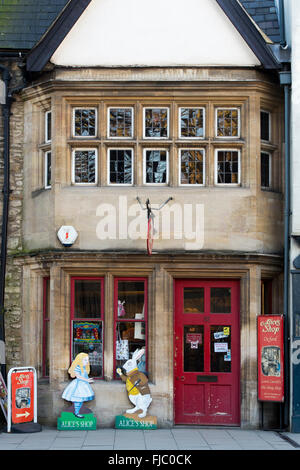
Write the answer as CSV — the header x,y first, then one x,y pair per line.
x,y
22,398
270,358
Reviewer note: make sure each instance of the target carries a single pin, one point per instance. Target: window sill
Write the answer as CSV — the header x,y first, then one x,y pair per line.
x,y
37,192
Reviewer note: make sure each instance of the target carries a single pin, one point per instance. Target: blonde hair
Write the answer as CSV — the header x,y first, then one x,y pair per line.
x,y
78,361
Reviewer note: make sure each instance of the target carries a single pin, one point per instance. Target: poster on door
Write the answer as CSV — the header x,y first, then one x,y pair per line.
x,y
270,358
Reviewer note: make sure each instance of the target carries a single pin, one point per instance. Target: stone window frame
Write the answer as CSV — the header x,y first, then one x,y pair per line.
x,y
47,153
48,121
269,113
168,122
167,166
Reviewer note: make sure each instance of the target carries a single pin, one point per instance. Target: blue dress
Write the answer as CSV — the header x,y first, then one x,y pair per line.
x,y
79,390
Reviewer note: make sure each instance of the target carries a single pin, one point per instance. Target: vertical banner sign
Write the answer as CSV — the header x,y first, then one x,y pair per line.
x,y
270,358
22,395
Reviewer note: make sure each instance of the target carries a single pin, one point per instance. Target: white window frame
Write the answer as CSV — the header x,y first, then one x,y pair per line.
x,y
216,167
270,125
46,157
239,123
73,122
270,171
108,122
179,168
79,149
47,114
144,166
108,166
168,122
179,122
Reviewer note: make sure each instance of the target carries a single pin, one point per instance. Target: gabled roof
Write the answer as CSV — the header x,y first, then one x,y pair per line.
x,y
265,15
23,22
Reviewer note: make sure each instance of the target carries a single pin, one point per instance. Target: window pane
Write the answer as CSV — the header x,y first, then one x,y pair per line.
x,y
193,348
220,300
85,166
264,126
193,300
48,169
265,169
46,312
131,299
87,302
129,337
87,338
227,123
156,122
120,122
192,166
120,166
227,167
192,122
220,348
85,122
156,166
48,126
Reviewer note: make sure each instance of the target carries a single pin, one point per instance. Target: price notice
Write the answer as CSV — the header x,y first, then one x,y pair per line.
x,y
270,358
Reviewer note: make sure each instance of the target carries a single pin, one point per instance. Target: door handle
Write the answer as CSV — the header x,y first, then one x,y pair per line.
x,y
182,379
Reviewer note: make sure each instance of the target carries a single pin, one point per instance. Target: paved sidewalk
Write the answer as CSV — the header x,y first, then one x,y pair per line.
x,y
178,438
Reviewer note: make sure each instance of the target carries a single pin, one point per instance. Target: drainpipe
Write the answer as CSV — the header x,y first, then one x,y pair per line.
x,y
6,109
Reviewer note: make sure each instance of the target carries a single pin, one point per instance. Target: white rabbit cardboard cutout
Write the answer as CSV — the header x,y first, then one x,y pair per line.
x,y
138,393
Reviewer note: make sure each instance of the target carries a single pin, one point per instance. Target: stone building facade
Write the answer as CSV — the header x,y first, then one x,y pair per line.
x,y
216,262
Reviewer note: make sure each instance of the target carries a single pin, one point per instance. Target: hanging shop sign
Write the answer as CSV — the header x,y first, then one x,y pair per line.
x,y
270,358
22,396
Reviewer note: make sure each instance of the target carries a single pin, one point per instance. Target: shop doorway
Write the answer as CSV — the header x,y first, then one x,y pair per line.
x,y
207,352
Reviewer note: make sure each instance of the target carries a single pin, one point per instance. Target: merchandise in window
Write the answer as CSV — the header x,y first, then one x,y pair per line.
x,y
120,123
85,166
130,320
228,167
227,122
156,123
265,169
155,166
265,126
87,315
192,166
120,166
191,123
84,122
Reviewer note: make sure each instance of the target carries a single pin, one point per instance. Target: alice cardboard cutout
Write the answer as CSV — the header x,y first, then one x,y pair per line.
x,y
79,390
136,385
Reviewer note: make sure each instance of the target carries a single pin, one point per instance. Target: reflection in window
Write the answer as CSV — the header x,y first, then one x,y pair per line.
x,y
87,298
156,162
156,122
193,348
120,122
84,122
227,167
227,122
192,166
120,166
220,348
84,166
193,300
192,122
220,300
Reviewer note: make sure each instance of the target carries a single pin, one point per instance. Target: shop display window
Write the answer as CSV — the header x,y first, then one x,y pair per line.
x,y
130,313
87,316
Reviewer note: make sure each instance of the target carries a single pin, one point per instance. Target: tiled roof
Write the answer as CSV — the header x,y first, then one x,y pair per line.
x,y
23,22
264,13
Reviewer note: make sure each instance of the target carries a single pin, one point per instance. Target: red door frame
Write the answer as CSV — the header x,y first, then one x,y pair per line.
x,y
206,319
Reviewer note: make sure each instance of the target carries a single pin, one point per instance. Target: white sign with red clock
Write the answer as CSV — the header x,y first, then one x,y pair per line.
x,y
67,235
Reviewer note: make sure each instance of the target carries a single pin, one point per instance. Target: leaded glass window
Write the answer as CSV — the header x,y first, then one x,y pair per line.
x,y
120,166
227,167
84,123
120,122
84,166
156,123
191,123
227,122
156,166
192,166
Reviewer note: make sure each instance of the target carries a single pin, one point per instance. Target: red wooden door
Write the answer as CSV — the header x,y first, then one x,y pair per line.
x,y
206,349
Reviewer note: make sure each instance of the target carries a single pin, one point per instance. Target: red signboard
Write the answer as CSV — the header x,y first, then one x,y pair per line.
x,y
270,358
22,396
